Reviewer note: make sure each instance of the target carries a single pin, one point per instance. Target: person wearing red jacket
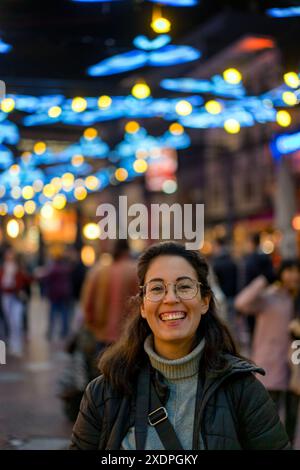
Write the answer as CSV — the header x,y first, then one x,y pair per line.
x,y
13,281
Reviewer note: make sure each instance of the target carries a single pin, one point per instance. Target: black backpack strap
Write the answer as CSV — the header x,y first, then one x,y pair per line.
x,y
142,407
158,418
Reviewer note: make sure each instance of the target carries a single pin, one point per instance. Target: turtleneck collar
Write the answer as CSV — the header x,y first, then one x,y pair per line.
x,y
176,369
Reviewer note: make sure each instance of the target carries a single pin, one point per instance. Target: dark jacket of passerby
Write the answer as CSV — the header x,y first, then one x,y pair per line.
x,y
78,273
233,411
226,272
57,279
257,264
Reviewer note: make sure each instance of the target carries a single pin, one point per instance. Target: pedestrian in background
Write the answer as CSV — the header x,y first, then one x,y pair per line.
x,y
275,307
14,282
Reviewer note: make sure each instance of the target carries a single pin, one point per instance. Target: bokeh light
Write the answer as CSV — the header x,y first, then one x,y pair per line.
x,y
232,76
141,91
91,231
232,126
88,255
12,228
183,108
104,102
79,104
283,118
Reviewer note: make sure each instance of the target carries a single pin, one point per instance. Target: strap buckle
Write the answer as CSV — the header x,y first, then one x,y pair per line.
x,y
157,416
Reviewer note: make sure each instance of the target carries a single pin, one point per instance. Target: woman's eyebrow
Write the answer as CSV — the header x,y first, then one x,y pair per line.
x,y
183,277
177,279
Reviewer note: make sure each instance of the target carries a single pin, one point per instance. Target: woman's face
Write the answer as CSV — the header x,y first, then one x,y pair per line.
x,y
290,278
173,320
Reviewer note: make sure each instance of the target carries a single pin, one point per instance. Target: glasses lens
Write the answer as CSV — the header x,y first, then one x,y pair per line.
x,y
186,289
155,290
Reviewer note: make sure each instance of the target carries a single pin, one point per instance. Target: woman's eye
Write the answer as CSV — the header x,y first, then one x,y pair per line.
x,y
184,287
156,289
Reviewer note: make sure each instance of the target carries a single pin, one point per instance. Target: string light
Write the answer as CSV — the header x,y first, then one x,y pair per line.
x,y
283,118
79,104
104,102
232,76
141,91
54,112
8,105
232,126
183,108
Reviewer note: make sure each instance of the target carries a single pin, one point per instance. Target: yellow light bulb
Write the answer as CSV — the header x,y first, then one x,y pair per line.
x,y
213,107
232,76
78,104
232,126
140,166
30,207
121,174
47,211
161,25
183,108
91,231
54,112
8,105
80,193
141,91
104,102
19,211
296,222
289,98
39,148
176,129
283,118
92,182
77,160
88,255
291,79
90,133
28,192
59,201
49,190
13,228
67,181
56,181
132,127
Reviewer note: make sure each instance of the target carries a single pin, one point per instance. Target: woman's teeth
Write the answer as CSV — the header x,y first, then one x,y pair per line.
x,y
172,316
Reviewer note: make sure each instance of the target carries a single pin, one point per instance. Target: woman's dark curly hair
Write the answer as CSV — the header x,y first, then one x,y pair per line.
x,y
121,362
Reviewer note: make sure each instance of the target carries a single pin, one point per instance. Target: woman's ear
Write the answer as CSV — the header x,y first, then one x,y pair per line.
x,y
142,310
205,304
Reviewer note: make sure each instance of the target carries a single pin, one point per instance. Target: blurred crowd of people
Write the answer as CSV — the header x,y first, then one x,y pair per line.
x,y
87,308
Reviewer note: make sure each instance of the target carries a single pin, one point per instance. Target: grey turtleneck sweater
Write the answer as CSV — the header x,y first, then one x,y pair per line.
x,y
181,377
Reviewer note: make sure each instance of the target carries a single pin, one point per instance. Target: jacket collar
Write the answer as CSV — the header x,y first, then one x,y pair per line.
x,y
234,365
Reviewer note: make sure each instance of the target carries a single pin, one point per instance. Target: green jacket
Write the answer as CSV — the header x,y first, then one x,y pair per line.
x,y
233,412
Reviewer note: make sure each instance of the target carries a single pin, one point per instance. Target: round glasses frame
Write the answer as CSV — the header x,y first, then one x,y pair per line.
x,y
174,284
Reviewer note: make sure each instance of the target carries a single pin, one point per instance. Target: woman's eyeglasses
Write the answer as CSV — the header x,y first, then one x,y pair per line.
x,y
185,289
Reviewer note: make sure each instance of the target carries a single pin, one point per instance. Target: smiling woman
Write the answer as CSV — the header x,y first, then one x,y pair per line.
x,y
175,380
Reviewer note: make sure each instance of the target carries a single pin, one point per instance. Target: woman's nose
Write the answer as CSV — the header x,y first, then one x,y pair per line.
x,y
170,295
